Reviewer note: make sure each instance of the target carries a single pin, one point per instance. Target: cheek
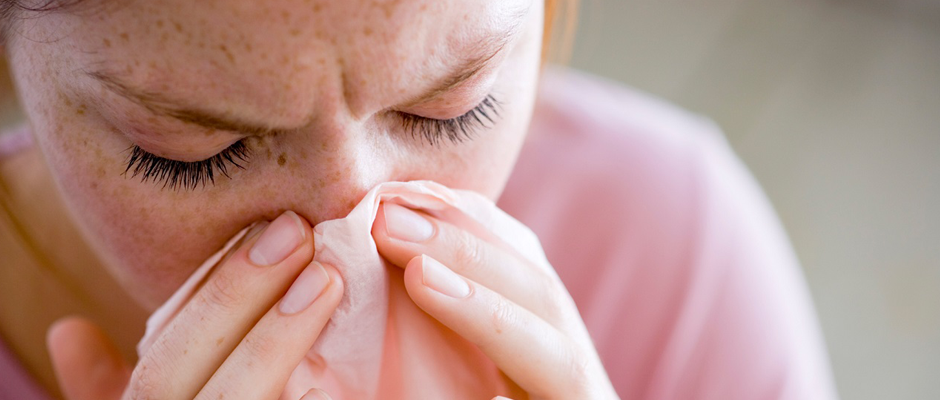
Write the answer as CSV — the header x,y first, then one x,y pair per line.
x,y
131,229
131,226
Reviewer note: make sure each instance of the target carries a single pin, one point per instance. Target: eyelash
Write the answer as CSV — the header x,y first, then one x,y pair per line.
x,y
191,175
456,129
181,174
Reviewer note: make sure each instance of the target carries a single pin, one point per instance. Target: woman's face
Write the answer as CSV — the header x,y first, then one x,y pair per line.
x,y
329,98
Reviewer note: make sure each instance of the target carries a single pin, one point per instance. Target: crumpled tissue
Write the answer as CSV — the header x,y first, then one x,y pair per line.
x,y
378,343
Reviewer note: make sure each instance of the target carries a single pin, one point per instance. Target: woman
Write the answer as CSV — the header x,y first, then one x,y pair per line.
x,y
163,128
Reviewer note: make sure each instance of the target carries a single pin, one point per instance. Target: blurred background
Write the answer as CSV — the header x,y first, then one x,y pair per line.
x,y
835,107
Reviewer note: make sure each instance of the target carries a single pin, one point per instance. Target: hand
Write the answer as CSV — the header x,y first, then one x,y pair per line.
x,y
517,313
240,336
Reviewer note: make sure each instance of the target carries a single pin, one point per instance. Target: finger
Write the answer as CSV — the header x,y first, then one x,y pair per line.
x,y
233,298
402,234
316,394
274,347
87,364
529,350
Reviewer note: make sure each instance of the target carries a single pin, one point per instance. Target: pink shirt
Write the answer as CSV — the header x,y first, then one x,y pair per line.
x,y
676,260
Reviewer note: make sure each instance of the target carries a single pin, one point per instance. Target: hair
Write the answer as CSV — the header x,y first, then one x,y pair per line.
x,y
558,43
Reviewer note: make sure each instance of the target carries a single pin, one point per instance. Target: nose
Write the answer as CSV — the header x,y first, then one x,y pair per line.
x,y
324,173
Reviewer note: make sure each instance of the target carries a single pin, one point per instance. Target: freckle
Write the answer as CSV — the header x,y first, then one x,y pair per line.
x,y
248,47
367,31
107,43
317,8
124,36
159,23
285,14
281,159
424,7
228,54
67,101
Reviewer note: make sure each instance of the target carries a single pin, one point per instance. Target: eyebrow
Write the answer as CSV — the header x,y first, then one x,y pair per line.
x,y
486,51
162,104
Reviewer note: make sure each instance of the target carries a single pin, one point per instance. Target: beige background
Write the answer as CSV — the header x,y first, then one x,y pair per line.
x,y
835,106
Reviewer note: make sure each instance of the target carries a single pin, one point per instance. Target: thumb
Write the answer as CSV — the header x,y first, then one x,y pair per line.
x,y
87,364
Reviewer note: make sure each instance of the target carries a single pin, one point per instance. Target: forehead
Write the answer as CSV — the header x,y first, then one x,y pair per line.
x,y
278,52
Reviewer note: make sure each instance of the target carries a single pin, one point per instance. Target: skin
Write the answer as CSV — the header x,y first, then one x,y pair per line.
x,y
294,65
326,92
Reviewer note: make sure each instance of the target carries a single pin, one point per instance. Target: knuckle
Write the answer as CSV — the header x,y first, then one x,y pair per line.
x,y
577,369
146,383
504,315
222,292
260,347
551,296
470,254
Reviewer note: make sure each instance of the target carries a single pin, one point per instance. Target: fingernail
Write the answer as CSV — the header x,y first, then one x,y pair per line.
x,y
256,228
406,224
440,278
253,230
316,394
278,240
305,289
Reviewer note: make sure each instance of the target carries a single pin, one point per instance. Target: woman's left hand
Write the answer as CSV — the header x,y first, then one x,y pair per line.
x,y
518,314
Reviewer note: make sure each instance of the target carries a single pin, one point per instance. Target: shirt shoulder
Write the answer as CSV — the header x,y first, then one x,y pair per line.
x,y
600,154
674,256
15,140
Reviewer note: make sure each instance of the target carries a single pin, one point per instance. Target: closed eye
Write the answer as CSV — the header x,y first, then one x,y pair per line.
x,y
182,174
457,129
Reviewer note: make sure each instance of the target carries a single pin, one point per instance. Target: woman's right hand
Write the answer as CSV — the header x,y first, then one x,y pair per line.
x,y
240,336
